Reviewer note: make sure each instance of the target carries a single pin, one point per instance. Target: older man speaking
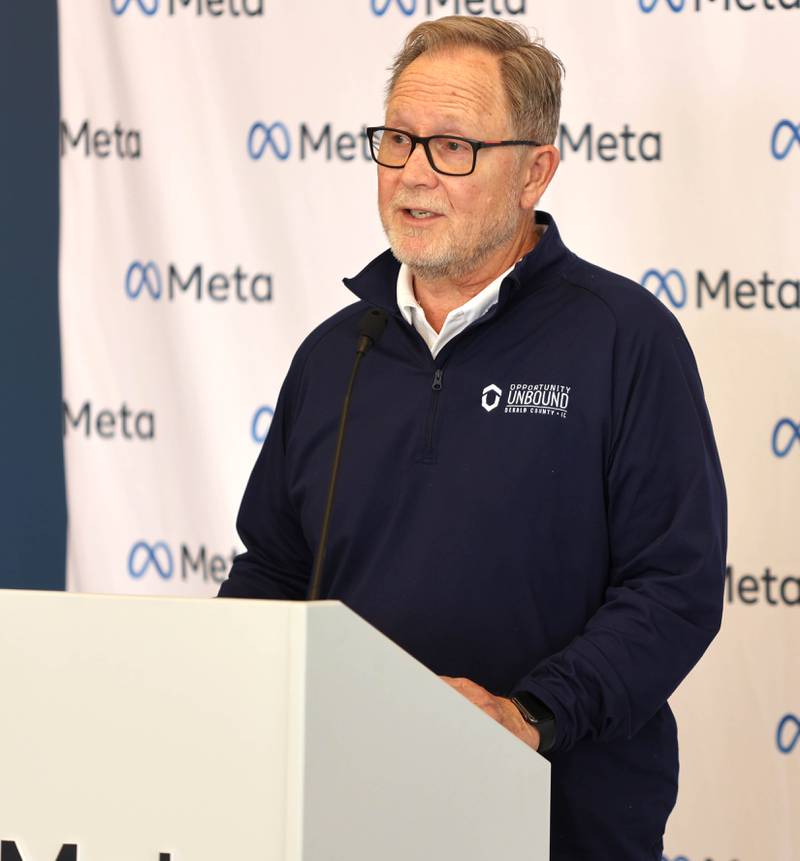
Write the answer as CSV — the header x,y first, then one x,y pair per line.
x,y
530,499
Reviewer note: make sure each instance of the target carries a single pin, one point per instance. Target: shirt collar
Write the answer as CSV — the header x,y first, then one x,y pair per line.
x,y
406,300
471,310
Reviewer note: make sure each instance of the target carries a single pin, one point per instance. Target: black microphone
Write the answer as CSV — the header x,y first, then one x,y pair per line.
x,y
370,330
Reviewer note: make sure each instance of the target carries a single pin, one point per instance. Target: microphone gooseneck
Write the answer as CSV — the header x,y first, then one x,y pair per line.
x,y
370,329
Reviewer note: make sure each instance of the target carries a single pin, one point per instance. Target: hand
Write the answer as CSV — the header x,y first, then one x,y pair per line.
x,y
499,708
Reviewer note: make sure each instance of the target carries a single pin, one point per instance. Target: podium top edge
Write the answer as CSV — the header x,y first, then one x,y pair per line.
x,y
48,594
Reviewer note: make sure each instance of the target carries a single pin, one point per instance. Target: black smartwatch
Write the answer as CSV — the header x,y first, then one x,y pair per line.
x,y
537,714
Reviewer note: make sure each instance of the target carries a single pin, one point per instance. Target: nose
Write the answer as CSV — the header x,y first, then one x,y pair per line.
x,y
417,171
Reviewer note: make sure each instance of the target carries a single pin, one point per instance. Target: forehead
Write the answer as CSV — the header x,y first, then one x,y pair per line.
x,y
459,89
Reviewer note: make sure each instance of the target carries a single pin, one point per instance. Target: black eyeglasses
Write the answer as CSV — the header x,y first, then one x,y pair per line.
x,y
447,154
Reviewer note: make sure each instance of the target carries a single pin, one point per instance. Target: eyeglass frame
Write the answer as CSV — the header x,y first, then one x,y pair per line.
x,y
425,141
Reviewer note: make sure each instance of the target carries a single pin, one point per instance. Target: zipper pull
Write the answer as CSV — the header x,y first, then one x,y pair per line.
x,y
437,380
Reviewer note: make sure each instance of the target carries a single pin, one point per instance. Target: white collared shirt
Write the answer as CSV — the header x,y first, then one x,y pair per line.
x,y
456,321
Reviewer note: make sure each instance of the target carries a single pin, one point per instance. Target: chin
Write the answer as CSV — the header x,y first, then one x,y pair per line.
x,y
412,255
427,264
414,247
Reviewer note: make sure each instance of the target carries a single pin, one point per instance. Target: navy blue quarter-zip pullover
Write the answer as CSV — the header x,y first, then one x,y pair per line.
x,y
539,509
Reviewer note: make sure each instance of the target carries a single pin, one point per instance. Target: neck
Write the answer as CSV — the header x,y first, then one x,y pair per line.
x,y
439,296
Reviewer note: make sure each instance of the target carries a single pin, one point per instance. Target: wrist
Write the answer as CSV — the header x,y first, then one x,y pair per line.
x,y
539,717
535,738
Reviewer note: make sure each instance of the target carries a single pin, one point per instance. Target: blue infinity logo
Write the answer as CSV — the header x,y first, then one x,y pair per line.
x,y
787,736
143,276
784,136
407,7
275,136
118,7
648,6
670,284
259,427
144,556
792,435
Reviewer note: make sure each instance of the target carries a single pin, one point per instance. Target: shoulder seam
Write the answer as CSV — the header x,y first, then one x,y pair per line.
x,y
663,312
565,277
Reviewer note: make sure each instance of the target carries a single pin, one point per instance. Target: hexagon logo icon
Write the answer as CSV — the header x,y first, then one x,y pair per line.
x,y
491,397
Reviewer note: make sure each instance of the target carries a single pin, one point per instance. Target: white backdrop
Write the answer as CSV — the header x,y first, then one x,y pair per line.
x,y
215,190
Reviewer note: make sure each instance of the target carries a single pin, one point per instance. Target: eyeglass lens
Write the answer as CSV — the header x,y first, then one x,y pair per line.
x,y
392,149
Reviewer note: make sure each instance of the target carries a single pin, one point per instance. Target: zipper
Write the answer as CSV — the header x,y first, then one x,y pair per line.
x,y
436,388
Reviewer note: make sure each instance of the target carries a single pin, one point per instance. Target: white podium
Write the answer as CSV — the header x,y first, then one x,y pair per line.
x,y
169,729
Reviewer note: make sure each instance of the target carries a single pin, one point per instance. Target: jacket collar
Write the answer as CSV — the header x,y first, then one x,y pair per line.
x,y
377,281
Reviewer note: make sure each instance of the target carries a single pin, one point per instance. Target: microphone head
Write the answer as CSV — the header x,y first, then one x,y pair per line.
x,y
371,327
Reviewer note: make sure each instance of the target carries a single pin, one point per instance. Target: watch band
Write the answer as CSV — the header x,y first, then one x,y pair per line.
x,y
537,714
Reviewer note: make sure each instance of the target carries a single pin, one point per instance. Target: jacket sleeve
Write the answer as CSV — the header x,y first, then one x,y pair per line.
x,y
277,561
666,515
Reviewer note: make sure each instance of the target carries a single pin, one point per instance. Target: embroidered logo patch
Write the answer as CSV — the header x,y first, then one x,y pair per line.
x,y
538,399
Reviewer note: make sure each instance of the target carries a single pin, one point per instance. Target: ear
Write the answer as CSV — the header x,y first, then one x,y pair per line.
x,y
539,168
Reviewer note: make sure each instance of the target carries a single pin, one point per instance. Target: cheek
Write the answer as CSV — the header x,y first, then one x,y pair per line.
x,y
469,198
387,183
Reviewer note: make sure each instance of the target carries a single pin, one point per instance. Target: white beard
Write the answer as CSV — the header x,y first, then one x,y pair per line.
x,y
454,257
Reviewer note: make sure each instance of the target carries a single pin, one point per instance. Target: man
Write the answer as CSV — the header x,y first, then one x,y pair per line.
x,y
530,499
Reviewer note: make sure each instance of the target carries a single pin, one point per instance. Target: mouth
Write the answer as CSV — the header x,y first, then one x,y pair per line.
x,y
418,215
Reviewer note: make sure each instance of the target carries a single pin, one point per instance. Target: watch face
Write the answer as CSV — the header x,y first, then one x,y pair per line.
x,y
534,709
526,713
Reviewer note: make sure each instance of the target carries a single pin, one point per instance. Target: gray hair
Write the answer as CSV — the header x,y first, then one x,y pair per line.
x,y
531,74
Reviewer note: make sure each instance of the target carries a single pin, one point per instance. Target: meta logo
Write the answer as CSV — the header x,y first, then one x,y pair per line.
x,y
785,136
118,142
9,851
274,136
784,436
766,292
143,279
626,144
123,423
669,286
157,559
648,6
787,735
491,397
450,7
274,139
156,556
212,8
259,426
767,588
